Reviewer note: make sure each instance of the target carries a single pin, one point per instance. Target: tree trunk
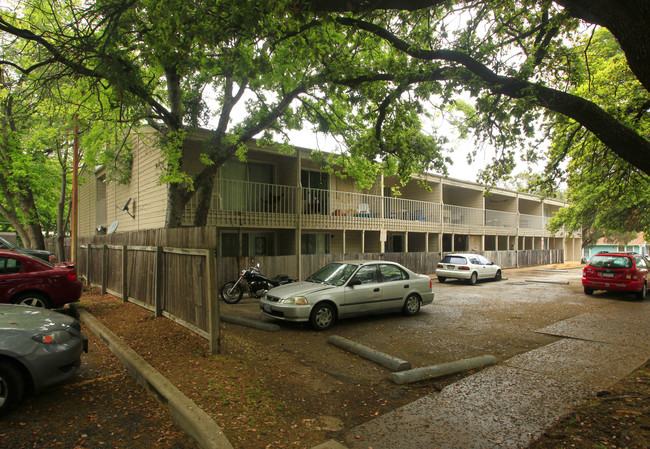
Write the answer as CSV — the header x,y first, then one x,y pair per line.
x,y
204,192
27,206
176,201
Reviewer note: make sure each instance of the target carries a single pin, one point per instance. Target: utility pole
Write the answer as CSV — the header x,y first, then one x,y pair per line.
x,y
74,207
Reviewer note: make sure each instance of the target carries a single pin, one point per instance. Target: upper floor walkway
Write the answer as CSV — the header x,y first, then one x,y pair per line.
x,y
259,205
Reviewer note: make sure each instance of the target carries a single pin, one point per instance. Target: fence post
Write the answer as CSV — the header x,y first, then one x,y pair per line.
x,y
104,268
158,281
125,291
214,316
88,264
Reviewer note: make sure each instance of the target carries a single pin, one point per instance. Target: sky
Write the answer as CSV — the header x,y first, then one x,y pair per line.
x,y
459,170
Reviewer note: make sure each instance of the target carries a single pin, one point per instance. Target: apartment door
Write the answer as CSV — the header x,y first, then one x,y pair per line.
x,y
315,192
398,243
245,186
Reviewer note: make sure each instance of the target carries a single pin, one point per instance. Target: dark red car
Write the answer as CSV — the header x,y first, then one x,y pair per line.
x,y
27,280
623,272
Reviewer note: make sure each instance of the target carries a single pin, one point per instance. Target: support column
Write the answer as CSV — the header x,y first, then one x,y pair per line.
x,y
299,212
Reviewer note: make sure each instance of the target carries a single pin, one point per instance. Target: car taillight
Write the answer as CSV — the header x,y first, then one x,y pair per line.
x,y
72,275
439,265
463,268
430,284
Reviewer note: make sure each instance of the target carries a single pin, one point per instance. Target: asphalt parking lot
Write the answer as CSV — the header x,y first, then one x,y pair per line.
x,y
498,318
103,404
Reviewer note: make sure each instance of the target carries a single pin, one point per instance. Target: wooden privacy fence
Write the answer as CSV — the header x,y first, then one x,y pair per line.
x,y
177,283
421,262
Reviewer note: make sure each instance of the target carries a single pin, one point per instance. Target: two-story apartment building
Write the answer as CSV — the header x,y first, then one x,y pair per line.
x,y
276,204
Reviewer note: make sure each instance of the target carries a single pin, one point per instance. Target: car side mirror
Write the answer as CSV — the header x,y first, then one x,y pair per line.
x,y
354,282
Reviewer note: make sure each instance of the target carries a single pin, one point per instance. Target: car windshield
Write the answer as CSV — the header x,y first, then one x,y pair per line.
x,y
611,261
333,274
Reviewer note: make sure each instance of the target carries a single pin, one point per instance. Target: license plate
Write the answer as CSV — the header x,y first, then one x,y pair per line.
x,y
608,275
267,308
450,267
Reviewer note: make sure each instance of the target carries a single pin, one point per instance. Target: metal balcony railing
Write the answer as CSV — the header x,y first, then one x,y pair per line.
x,y
241,203
463,217
498,219
532,222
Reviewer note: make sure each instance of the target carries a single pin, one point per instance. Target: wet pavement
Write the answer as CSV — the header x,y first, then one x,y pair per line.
x,y
510,404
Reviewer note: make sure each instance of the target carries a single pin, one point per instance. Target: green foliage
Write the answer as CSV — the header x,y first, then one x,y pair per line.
x,y
374,80
606,192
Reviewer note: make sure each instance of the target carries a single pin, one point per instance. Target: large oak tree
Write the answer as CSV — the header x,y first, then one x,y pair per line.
x,y
361,70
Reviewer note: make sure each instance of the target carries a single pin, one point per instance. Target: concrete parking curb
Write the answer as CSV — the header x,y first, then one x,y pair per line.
x,y
257,324
194,421
386,360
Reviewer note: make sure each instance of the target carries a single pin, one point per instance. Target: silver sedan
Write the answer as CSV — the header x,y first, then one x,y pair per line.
x,y
347,289
38,348
469,267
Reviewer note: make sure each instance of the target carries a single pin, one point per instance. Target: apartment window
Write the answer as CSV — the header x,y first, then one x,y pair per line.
x,y
315,244
252,244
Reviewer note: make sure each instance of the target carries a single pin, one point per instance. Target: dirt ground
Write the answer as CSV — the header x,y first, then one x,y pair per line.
x,y
266,394
261,399
616,418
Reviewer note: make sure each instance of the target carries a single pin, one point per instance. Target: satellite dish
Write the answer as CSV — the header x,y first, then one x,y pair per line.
x,y
113,227
126,205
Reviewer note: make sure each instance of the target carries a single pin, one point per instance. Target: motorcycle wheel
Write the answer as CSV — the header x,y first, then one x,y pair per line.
x,y
231,294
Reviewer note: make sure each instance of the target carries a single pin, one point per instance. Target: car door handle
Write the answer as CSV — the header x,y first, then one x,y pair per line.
x,y
376,290
406,286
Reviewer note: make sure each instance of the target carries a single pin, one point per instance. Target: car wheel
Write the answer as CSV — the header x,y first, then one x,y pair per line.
x,y
230,293
641,295
497,277
473,278
12,387
34,300
411,305
441,279
589,291
322,316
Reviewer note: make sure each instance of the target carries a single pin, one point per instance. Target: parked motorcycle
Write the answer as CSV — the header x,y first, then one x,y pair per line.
x,y
252,282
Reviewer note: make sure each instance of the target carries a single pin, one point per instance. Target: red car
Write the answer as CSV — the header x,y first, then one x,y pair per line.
x,y
27,280
623,272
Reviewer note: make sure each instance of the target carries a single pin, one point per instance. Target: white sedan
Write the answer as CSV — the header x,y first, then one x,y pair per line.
x,y
346,289
469,267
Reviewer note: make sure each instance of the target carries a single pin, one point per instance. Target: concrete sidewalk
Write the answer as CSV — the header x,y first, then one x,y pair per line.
x,y
510,404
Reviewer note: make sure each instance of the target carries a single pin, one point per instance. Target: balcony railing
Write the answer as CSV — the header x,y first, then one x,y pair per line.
x,y
463,217
498,219
531,222
240,203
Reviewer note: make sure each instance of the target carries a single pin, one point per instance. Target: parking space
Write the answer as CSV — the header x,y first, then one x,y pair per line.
x,y
499,318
